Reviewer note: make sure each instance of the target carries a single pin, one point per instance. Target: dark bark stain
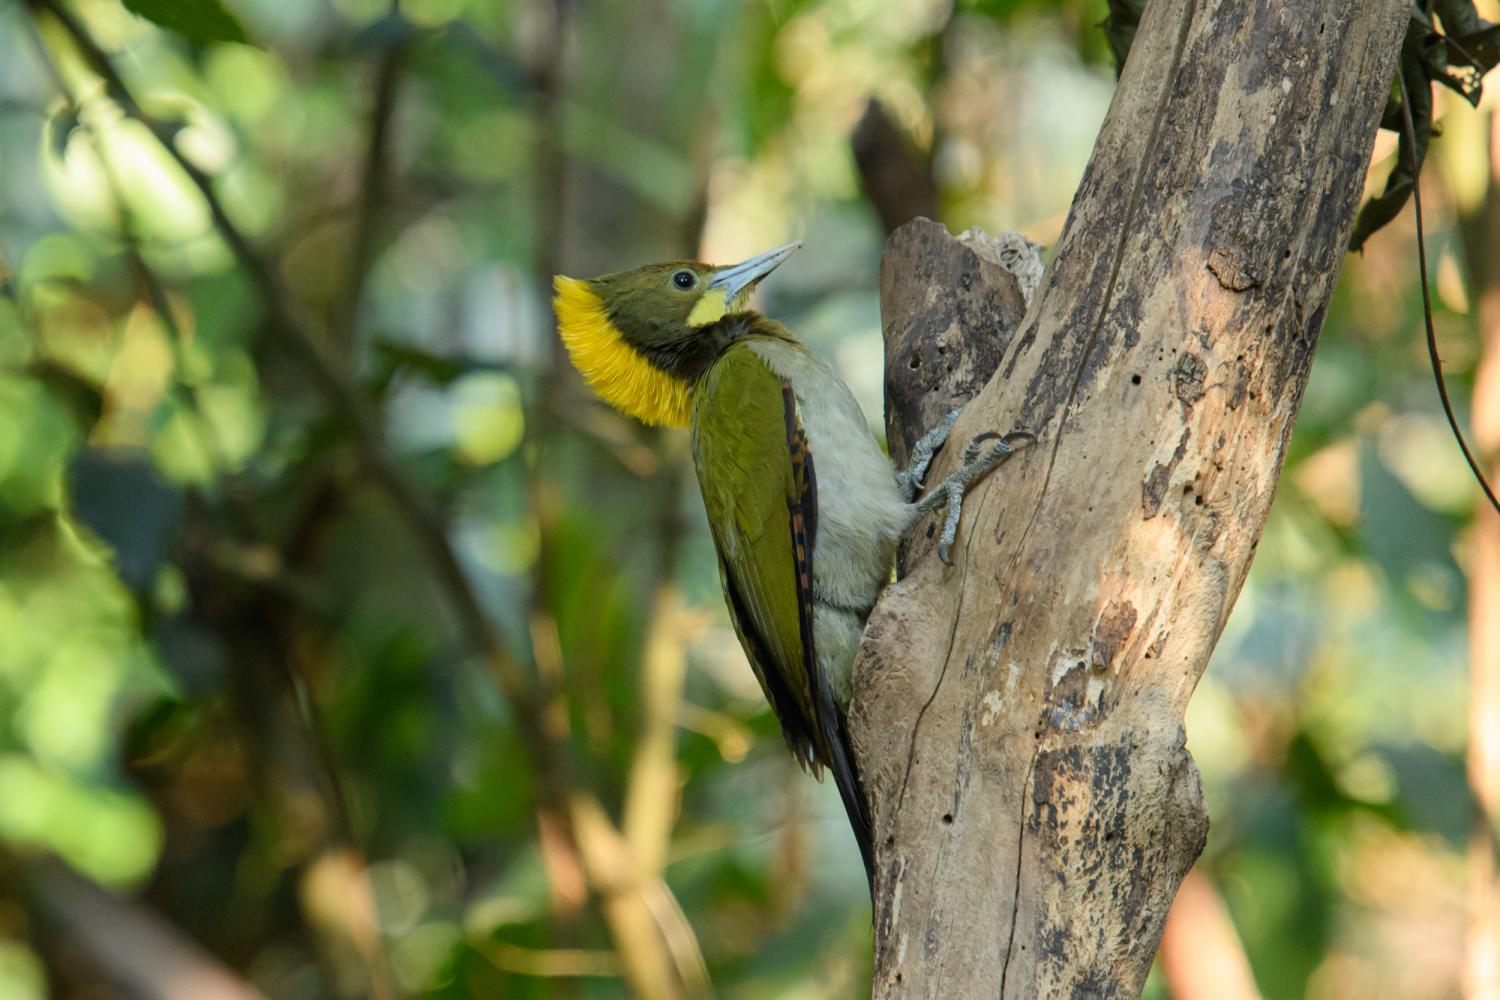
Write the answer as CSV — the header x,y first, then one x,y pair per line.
x,y
1233,270
1114,627
1085,813
965,762
1069,709
1236,381
1153,651
1188,377
1061,775
894,872
1056,943
1154,489
1002,636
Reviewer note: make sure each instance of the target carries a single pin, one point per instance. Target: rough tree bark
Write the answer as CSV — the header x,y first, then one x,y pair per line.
x,y
1018,716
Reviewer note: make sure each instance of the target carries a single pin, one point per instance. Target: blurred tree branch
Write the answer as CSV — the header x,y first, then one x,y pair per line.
x,y
374,179
133,947
895,178
550,168
569,963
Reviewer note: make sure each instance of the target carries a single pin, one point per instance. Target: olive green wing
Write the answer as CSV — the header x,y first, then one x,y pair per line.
x,y
755,471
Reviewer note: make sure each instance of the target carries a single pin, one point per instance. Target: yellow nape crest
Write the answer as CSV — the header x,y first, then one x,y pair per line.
x,y
621,376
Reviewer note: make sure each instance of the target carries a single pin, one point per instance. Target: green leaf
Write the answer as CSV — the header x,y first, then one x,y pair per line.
x,y
1411,149
199,21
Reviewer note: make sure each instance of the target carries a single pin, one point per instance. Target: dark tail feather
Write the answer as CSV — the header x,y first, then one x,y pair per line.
x,y
850,790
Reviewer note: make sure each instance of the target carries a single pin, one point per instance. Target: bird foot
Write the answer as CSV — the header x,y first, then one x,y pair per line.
x,y
975,464
910,479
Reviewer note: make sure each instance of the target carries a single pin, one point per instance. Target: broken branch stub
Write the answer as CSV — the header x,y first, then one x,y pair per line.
x,y
949,310
1017,717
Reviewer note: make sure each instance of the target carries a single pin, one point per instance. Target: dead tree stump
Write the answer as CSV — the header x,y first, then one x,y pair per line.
x,y
1018,715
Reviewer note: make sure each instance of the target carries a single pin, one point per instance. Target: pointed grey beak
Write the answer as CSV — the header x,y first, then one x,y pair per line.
x,y
737,278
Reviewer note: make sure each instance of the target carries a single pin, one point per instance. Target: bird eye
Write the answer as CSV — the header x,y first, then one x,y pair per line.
x,y
684,279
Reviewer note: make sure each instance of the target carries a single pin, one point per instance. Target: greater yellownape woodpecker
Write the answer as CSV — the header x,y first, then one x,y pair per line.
x,y
805,509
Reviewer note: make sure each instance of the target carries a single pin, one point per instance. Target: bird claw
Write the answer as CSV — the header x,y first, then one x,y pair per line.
x,y
914,475
976,463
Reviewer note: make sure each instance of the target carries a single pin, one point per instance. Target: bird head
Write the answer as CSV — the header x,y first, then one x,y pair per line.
x,y
641,337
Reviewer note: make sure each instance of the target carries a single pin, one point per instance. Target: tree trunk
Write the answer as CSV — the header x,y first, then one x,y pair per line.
x,y
1018,716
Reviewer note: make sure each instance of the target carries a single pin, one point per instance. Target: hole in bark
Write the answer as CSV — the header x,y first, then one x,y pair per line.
x,y
947,819
1198,500
915,362
1135,380
1287,255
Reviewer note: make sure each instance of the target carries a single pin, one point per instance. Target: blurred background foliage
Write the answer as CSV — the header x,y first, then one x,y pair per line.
x,y
349,648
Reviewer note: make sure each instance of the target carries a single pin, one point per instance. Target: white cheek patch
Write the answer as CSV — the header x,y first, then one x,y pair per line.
x,y
710,308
